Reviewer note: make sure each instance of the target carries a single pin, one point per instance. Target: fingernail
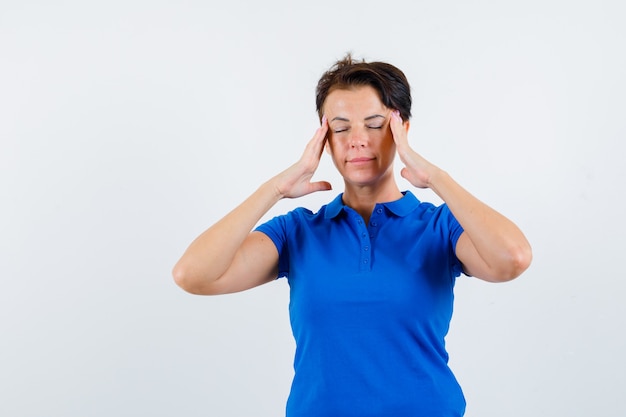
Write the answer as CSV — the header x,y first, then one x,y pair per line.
x,y
323,119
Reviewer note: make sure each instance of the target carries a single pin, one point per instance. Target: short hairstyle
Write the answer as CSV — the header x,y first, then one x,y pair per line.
x,y
390,83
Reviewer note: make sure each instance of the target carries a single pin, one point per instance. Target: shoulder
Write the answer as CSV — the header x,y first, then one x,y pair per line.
x,y
301,216
411,207
433,219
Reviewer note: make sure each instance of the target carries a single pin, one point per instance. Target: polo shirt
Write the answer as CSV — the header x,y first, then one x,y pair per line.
x,y
370,306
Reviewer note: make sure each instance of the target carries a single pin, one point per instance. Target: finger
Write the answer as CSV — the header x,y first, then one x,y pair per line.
x,y
397,129
322,131
318,141
321,186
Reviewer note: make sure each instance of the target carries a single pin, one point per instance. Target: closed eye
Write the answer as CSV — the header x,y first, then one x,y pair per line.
x,y
376,127
345,129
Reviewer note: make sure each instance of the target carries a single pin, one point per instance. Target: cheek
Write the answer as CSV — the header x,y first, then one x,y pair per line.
x,y
380,138
383,134
389,135
336,141
387,144
331,145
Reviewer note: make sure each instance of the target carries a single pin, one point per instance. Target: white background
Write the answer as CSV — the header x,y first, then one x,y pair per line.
x,y
128,127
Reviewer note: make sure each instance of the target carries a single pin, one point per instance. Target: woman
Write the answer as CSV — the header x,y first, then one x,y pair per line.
x,y
372,273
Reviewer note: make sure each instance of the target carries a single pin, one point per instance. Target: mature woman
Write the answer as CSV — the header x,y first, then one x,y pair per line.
x,y
371,273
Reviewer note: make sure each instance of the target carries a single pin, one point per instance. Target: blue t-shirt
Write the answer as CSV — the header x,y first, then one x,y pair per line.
x,y
370,306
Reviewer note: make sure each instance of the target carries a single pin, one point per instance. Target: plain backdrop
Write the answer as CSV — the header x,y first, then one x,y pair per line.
x,y
128,127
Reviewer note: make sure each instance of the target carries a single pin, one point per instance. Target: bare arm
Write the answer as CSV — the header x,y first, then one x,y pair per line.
x,y
491,247
228,257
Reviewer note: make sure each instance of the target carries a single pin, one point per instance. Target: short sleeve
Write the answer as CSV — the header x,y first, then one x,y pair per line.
x,y
454,231
276,230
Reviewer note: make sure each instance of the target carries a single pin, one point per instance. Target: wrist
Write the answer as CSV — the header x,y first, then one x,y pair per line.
x,y
437,179
272,187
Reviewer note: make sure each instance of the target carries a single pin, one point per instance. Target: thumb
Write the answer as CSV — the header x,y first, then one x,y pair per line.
x,y
405,173
320,186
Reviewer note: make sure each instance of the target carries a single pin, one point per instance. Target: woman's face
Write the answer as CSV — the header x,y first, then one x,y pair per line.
x,y
360,141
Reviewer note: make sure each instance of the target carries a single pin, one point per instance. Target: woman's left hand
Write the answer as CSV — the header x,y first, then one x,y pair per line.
x,y
417,170
491,247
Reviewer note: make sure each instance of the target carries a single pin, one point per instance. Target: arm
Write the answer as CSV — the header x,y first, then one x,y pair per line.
x,y
491,247
228,257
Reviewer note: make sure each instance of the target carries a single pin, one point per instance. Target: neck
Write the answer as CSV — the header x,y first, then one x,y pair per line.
x,y
363,198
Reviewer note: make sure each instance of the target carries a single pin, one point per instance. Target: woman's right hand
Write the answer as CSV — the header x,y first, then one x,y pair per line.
x,y
295,181
227,257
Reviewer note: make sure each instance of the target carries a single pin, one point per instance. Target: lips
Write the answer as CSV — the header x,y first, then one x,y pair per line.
x,y
360,160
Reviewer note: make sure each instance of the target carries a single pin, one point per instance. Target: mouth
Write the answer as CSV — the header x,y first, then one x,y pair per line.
x,y
360,160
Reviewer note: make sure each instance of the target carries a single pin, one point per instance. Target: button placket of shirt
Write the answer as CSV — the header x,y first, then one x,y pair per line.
x,y
375,221
372,230
365,258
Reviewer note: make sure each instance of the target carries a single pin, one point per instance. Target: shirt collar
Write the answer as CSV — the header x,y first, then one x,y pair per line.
x,y
400,207
334,207
403,206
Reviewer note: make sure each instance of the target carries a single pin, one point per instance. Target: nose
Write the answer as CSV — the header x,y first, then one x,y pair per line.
x,y
358,138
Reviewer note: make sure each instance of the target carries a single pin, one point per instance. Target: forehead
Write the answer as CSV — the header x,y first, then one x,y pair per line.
x,y
355,102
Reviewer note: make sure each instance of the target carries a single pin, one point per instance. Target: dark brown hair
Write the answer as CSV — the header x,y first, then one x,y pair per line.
x,y
390,83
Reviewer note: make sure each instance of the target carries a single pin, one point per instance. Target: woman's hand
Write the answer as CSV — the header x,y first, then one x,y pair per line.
x,y
295,181
491,247
417,170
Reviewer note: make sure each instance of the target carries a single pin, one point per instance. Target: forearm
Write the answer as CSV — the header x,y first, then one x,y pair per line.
x,y
497,240
229,251
211,253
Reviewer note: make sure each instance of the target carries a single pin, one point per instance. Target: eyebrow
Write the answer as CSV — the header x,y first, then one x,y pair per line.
x,y
343,119
374,116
